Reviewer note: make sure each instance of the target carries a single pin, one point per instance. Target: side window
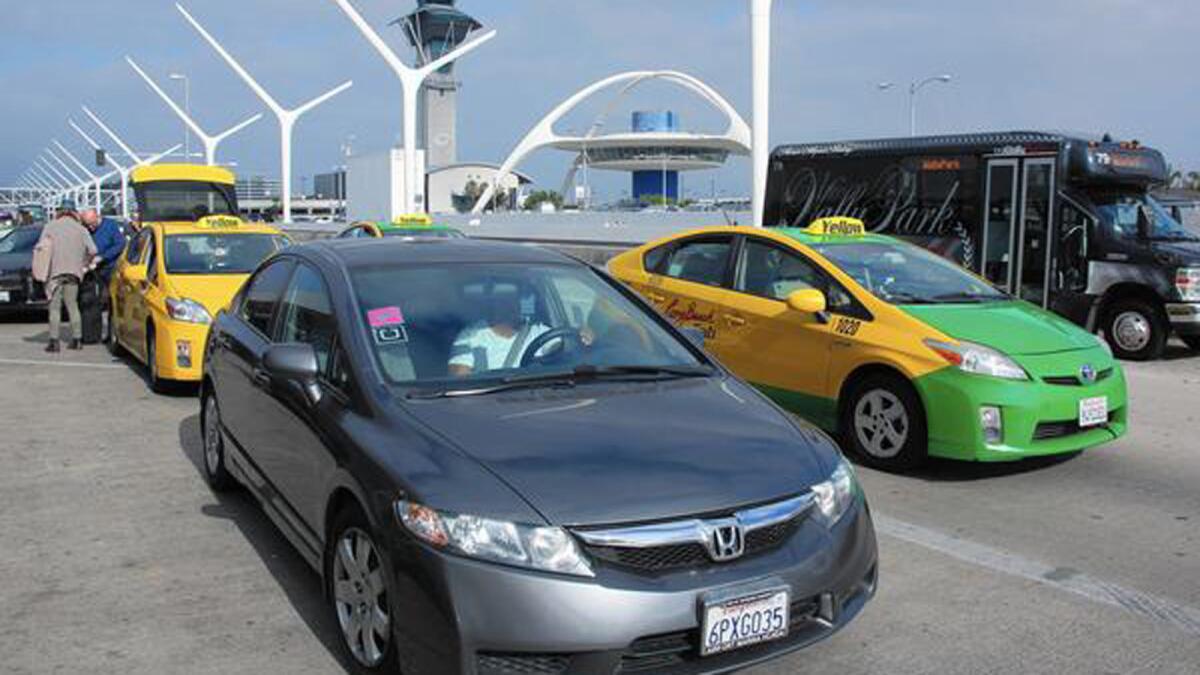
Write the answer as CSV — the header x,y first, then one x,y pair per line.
x,y
703,261
770,271
151,257
308,314
653,260
133,254
263,294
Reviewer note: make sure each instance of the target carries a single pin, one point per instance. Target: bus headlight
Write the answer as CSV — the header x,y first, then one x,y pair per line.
x,y
1187,282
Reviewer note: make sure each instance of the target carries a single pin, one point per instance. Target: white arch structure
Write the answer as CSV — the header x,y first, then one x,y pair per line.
x,y
543,134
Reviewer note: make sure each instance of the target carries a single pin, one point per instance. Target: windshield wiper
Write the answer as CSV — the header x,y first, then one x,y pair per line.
x,y
566,379
967,297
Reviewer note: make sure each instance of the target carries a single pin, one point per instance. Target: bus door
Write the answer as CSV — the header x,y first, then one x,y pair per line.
x,y
1019,226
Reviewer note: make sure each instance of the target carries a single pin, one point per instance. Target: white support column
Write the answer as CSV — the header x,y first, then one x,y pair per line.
x,y
287,118
411,80
113,135
760,23
121,169
74,188
211,143
97,200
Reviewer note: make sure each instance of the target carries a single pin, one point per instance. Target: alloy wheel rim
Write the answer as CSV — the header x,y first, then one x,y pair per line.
x,y
360,597
881,424
212,438
1131,330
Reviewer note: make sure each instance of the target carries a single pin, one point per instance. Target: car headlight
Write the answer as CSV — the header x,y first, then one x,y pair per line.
x,y
548,549
1187,282
835,495
188,311
978,359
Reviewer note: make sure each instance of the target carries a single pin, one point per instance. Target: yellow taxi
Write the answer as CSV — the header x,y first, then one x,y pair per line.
x,y
190,257
899,351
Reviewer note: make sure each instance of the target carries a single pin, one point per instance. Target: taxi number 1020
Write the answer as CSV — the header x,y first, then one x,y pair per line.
x,y
847,327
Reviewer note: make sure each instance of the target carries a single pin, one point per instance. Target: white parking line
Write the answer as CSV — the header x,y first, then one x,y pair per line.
x,y
1073,581
59,364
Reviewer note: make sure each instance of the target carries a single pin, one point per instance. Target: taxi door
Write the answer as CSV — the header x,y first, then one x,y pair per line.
x,y
689,286
123,292
142,297
769,343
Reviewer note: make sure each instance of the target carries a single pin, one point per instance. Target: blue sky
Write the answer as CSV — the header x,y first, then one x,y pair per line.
x,y
1125,66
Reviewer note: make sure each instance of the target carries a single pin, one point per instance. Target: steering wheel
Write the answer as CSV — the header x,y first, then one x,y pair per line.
x,y
571,338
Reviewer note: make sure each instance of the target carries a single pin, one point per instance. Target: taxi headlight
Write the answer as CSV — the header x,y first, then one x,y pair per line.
x,y
835,495
188,311
978,359
548,549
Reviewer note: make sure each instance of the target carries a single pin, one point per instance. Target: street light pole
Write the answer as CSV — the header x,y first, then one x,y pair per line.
x,y
187,107
913,89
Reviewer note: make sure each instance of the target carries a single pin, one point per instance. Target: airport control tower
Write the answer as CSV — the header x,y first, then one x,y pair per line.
x,y
435,28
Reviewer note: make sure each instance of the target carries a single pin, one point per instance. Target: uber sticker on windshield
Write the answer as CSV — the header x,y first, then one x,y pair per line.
x,y
387,325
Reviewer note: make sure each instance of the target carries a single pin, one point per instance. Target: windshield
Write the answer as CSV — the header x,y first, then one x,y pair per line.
x,y
458,326
424,233
20,240
901,273
1122,212
218,253
165,201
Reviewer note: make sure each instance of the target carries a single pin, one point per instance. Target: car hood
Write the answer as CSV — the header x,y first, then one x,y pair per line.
x,y
1177,252
214,291
1016,328
608,453
15,261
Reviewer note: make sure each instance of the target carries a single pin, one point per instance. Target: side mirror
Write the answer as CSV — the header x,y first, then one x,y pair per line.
x,y
134,274
297,365
808,301
694,335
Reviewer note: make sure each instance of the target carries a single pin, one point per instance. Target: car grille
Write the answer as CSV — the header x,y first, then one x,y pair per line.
x,y
676,651
1075,381
1046,431
497,663
692,555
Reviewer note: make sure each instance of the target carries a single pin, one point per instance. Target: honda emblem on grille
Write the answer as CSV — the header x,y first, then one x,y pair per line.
x,y
1087,373
727,541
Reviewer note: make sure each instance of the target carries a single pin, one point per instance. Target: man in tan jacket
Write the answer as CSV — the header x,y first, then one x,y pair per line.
x,y
71,254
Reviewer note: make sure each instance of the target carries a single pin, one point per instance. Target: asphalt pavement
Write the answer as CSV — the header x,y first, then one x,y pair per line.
x,y
116,558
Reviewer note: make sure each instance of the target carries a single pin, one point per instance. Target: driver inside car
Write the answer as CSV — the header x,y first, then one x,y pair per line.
x,y
500,341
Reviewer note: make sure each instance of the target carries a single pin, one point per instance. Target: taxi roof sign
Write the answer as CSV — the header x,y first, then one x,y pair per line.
x,y
837,226
219,222
413,219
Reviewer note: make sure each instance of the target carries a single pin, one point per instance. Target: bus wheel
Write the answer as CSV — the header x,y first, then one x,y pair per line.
x,y
883,423
1135,329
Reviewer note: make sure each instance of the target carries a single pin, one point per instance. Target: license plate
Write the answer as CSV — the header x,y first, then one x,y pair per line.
x,y
1093,412
5,296
741,622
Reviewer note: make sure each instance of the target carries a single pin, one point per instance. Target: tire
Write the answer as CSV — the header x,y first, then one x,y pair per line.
x,y
883,423
1192,342
112,342
215,470
157,384
354,596
1136,329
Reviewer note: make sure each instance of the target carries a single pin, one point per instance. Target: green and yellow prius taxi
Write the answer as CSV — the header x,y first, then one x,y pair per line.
x,y
410,227
901,352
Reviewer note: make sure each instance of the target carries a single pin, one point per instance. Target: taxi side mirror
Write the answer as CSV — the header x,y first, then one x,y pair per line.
x,y
134,274
808,301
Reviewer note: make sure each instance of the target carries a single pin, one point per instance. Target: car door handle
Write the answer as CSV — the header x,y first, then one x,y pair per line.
x,y
734,320
260,378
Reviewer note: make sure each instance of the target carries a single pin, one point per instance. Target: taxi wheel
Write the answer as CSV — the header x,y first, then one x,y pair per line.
x,y
358,576
114,345
883,423
1136,330
215,473
157,384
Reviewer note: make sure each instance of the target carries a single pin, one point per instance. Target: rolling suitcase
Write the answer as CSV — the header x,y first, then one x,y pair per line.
x,y
91,310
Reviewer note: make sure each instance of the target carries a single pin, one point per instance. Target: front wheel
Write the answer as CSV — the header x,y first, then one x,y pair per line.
x,y
1136,330
157,384
883,423
358,576
215,471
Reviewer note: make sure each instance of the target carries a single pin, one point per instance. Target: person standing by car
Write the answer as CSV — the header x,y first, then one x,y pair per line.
x,y
110,244
66,252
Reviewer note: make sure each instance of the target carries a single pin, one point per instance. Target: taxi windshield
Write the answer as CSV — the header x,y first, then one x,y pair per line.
x,y
423,233
464,326
184,201
218,253
902,274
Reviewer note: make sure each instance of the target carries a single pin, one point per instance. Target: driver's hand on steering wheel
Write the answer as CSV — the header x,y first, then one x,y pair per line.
x,y
587,336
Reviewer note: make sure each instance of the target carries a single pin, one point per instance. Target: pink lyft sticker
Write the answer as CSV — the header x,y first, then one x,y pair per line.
x,y
385,316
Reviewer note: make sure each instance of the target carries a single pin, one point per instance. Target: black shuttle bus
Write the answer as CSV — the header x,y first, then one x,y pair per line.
x,y
1067,223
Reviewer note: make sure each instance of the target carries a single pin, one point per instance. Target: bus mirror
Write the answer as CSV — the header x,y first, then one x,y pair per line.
x,y
808,301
